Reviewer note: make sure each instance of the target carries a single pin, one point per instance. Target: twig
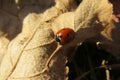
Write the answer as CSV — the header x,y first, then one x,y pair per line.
x,y
100,67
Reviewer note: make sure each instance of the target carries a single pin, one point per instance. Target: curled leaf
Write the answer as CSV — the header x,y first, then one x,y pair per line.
x,y
27,54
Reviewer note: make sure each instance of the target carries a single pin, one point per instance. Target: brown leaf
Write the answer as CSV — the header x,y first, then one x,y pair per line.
x,y
3,46
27,54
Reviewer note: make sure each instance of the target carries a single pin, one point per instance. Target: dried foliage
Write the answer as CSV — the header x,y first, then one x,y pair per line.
x,y
37,22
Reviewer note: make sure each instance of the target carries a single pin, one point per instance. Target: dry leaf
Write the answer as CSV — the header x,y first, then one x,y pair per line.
x,y
110,39
3,46
28,52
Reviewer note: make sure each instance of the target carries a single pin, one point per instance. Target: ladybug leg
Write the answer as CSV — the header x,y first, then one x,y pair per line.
x,y
51,56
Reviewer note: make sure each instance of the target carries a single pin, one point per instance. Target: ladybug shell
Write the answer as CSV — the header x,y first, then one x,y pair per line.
x,y
65,35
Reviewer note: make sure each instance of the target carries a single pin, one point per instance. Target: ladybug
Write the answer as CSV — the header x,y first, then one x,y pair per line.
x,y
65,36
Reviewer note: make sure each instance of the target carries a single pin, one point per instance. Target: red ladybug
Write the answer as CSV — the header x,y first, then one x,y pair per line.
x,y
64,36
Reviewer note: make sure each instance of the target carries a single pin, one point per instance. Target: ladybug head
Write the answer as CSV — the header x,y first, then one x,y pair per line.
x,y
58,38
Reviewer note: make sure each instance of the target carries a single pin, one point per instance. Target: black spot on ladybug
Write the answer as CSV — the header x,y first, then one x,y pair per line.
x,y
68,35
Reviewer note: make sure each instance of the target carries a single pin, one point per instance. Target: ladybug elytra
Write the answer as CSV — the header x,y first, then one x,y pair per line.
x,y
64,36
